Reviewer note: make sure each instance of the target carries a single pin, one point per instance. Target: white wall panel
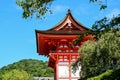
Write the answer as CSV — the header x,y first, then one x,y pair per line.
x,y
63,71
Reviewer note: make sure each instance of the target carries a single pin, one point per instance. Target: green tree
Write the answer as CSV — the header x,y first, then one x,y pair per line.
x,y
16,75
101,55
102,3
112,74
41,7
38,7
37,68
102,26
106,32
48,72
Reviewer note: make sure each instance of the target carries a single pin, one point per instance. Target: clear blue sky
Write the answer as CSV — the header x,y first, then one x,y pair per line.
x,y
17,35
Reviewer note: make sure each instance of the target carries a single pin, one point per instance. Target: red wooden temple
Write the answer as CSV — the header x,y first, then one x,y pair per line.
x,y
57,44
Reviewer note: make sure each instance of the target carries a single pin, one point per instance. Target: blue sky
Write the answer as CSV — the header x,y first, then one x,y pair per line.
x,y
17,35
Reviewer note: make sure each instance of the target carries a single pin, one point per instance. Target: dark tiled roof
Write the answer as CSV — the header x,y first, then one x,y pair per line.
x,y
62,32
64,19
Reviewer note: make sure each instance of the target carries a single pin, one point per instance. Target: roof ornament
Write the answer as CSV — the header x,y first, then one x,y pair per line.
x,y
69,23
69,11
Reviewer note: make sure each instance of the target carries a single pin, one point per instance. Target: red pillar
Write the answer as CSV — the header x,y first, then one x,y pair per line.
x,y
69,67
56,72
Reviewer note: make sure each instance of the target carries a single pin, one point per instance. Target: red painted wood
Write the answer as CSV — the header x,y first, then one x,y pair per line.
x,y
60,47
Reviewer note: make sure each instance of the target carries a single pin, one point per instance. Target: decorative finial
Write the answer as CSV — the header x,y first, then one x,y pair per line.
x,y
69,11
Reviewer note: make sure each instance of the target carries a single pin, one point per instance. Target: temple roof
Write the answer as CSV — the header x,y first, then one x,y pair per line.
x,y
66,29
62,32
68,25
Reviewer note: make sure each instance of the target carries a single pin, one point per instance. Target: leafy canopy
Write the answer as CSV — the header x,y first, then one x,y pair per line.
x,y
112,74
101,55
41,7
102,26
37,68
31,7
102,3
16,75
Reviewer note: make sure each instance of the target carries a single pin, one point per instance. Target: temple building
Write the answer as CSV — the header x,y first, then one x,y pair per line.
x,y
57,44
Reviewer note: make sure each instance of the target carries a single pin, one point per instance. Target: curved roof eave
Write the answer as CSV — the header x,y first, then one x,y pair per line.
x,y
64,19
60,32
58,24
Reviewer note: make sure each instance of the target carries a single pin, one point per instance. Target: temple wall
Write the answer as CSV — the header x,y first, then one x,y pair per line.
x,y
65,71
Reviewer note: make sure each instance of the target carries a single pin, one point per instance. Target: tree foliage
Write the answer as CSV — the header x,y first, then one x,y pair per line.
x,y
112,74
16,75
102,3
41,7
104,25
101,55
31,7
37,68
100,27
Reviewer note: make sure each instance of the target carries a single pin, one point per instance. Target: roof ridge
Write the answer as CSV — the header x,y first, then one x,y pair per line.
x,y
69,14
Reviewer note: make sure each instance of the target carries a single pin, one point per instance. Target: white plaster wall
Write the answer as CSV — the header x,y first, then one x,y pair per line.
x,y
63,71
